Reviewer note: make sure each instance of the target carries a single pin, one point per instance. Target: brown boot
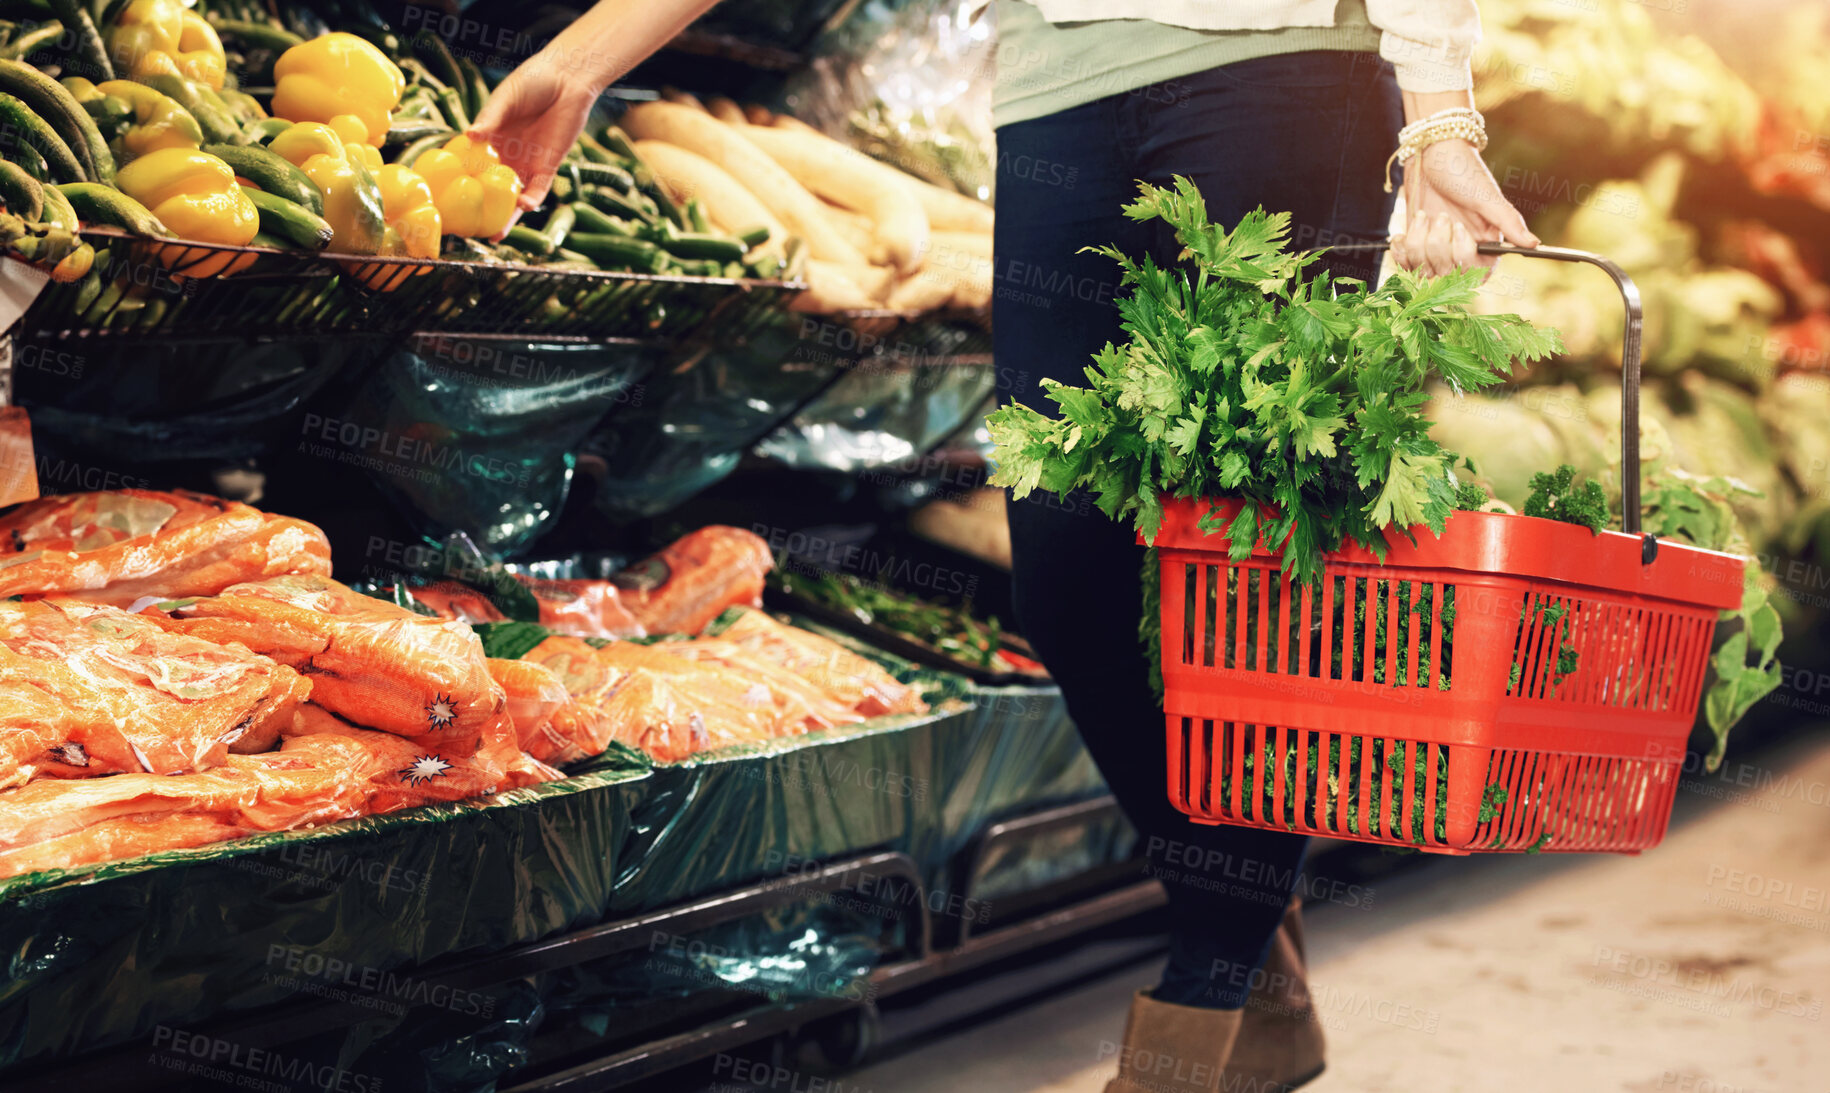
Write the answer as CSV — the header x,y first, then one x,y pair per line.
x,y
1173,1049
1280,1040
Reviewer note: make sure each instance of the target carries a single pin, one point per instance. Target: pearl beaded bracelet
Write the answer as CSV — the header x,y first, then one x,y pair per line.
x,y
1455,123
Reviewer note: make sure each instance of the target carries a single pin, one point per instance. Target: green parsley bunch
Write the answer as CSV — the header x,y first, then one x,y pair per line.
x,y
1246,376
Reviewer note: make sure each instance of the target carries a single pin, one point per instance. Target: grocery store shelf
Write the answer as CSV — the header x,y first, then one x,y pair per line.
x,y
144,290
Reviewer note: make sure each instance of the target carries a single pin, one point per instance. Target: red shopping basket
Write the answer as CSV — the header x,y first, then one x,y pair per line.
x,y
1513,684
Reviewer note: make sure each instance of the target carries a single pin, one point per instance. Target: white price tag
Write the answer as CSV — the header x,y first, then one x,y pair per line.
x,y
20,284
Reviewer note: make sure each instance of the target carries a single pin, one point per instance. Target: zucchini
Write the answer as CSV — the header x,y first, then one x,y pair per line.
x,y
475,91
91,286
290,220
408,132
452,106
32,160
591,219
263,131
270,173
420,74
33,40
258,35
58,210
754,237
53,103
619,251
704,246
20,127
262,239
528,241
596,152
632,206
695,216
411,153
605,174
89,51
22,194
559,224
431,49
98,204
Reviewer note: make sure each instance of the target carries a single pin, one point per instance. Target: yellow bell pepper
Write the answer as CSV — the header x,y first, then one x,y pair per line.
x,y
342,171
335,75
159,121
474,190
159,36
195,195
413,218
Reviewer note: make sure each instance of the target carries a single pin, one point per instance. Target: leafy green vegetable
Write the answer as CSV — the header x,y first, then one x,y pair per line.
x,y
1245,376
1558,496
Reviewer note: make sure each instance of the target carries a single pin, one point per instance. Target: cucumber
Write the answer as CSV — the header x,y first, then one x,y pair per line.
x,y
596,152
605,174
474,90
695,216
98,204
408,132
451,104
19,126
411,153
22,194
212,117
270,173
290,220
32,160
90,53
420,74
590,219
58,210
754,237
701,246
257,35
525,239
34,40
274,242
90,288
559,224
431,49
619,251
263,131
52,102
631,206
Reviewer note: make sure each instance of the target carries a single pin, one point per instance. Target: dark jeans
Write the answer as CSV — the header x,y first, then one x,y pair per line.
x,y
1306,132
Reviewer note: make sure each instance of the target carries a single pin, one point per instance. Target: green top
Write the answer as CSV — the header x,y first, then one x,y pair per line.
x,y
1044,68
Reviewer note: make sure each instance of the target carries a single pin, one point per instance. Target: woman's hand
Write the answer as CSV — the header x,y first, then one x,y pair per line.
x,y
533,118
1451,201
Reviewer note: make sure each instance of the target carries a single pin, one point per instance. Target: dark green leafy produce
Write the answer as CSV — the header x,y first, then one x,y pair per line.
x,y
1558,496
950,630
1245,376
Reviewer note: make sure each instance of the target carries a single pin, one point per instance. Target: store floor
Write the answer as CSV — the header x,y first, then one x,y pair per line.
x,y
1701,967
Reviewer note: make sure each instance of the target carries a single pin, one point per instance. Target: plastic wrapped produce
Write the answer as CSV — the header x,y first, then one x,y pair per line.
x,y
119,546
379,665
580,728
395,772
851,679
88,690
694,579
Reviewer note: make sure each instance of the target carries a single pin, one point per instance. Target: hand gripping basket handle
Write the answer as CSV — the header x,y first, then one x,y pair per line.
x,y
1629,361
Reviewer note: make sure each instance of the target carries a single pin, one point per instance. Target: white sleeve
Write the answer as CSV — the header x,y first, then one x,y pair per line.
x,y
1429,42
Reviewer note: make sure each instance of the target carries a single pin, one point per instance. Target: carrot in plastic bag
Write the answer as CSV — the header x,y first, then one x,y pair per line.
x,y
672,706
397,772
117,840
88,690
694,579
581,727
119,546
803,705
584,609
379,665
458,602
853,680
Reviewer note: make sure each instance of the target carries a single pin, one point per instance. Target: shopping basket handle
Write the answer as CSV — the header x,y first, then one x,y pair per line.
x,y
1629,362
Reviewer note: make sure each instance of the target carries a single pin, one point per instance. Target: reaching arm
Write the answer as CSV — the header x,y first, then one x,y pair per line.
x,y
536,114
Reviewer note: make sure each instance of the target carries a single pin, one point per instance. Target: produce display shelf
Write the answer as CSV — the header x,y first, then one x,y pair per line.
x,y
183,289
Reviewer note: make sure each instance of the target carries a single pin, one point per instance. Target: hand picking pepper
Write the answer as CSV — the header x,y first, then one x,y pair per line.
x,y
339,168
195,195
337,75
159,36
474,190
158,120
